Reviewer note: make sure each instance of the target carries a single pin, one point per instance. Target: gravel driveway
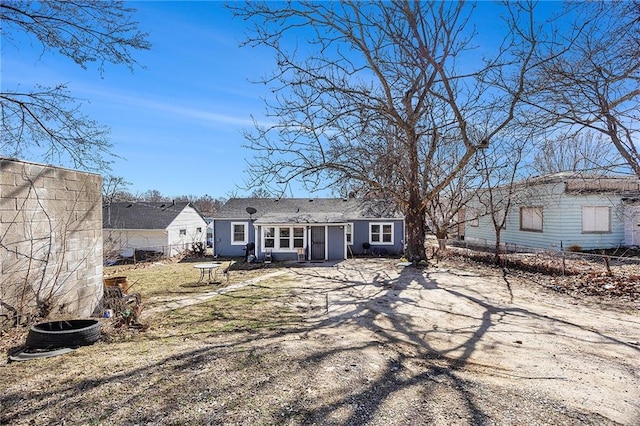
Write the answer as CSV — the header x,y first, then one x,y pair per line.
x,y
470,346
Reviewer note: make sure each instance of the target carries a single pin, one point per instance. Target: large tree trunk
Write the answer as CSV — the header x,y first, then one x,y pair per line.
x,y
415,230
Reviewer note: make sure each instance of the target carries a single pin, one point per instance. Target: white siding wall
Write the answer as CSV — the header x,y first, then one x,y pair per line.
x,y
189,220
562,221
572,223
142,239
632,224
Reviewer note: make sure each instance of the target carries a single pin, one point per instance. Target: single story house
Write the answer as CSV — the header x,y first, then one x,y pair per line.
x,y
562,210
169,228
314,229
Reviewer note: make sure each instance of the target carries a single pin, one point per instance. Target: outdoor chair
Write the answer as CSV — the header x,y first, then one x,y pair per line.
x,y
301,254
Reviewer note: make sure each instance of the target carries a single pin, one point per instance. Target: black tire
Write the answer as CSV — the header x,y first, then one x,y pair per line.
x,y
63,334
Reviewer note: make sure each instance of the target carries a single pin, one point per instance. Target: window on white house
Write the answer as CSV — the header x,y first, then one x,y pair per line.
x,y
472,215
596,219
238,233
531,218
183,232
349,233
284,238
199,230
381,233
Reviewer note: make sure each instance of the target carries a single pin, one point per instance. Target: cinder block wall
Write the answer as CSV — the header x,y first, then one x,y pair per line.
x,y
50,241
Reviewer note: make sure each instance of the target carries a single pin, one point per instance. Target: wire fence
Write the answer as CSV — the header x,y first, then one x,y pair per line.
x,y
152,253
621,261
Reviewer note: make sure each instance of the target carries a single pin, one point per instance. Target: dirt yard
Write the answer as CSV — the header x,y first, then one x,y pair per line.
x,y
360,342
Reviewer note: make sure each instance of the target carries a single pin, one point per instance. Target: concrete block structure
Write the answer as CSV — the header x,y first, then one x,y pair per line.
x,y
50,241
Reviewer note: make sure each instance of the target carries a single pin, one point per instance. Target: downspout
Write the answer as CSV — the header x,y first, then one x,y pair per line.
x,y
258,249
345,255
326,242
213,237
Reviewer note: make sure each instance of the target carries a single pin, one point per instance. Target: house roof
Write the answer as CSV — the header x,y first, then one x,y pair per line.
x,y
140,215
307,210
577,183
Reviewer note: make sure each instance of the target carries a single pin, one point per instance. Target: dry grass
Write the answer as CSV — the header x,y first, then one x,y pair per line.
x,y
136,373
246,308
159,282
162,282
253,309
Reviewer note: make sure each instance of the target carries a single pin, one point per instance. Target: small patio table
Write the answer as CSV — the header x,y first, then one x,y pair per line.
x,y
207,269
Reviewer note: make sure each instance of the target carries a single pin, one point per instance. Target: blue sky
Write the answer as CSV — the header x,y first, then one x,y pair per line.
x,y
177,123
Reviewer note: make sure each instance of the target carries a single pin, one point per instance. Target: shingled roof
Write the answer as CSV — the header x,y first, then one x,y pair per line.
x,y
307,210
140,215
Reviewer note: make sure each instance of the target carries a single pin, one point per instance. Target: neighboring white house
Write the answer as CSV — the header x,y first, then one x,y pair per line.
x,y
169,228
562,210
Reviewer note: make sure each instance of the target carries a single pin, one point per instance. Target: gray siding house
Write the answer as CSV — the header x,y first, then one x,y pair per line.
x,y
307,228
562,210
166,227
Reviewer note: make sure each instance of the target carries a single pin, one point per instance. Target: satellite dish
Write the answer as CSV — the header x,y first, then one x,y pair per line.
x,y
251,210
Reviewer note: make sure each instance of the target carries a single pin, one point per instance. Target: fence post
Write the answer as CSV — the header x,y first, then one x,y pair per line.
x,y
606,264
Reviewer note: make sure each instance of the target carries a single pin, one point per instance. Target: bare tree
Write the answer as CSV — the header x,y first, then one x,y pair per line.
x,y
261,193
205,204
46,123
445,210
593,81
500,166
585,152
378,90
114,188
153,196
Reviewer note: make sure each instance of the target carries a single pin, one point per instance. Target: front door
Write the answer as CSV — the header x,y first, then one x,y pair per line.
x,y
317,243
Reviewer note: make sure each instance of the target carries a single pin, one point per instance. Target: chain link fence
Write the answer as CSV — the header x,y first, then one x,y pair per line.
x,y
152,254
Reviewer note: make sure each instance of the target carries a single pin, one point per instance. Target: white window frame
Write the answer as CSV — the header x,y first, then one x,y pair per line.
x,y
245,231
348,233
531,223
474,217
381,233
284,236
277,237
596,219
294,237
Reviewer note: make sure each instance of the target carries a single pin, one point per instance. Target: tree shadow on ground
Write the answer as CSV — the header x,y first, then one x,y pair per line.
x,y
408,360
